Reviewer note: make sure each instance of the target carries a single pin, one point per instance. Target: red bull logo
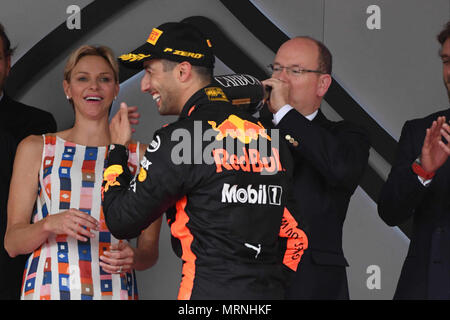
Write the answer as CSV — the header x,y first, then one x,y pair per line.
x,y
249,161
237,128
110,175
244,150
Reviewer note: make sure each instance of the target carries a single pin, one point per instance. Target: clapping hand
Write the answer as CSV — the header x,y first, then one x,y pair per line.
x,y
435,152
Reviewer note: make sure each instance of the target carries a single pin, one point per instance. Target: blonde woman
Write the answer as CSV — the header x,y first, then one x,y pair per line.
x,y
72,253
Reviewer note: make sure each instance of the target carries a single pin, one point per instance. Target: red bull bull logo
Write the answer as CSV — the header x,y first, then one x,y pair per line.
x,y
110,175
237,128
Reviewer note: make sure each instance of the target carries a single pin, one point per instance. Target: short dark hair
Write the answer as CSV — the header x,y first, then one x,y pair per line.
x,y
7,50
205,73
325,57
444,34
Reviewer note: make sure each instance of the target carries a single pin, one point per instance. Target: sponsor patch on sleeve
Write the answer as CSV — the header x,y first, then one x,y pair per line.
x,y
110,176
154,145
297,241
142,175
216,94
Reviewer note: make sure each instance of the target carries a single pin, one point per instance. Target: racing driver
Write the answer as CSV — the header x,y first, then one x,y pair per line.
x,y
220,176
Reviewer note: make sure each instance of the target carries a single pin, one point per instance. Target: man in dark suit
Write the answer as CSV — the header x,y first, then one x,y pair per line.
x,y
330,160
418,187
11,269
17,121
22,120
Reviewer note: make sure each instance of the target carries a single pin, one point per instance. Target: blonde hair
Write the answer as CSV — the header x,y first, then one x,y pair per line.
x,y
87,50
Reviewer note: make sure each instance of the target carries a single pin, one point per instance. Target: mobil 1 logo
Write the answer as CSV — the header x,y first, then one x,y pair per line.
x,y
258,194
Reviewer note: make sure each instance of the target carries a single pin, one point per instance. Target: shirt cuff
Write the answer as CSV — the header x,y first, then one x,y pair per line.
x,y
424,182
281,113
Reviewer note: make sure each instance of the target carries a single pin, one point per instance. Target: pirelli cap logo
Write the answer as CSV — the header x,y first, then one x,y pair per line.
x,y
216,94
131,57
154,36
